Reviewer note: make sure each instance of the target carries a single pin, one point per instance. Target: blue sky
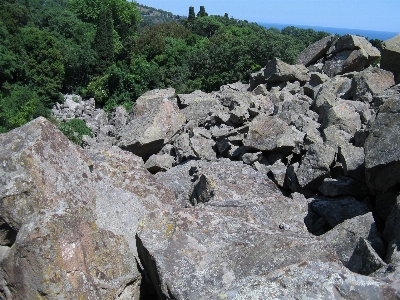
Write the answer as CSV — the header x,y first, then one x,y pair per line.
x,y
379,15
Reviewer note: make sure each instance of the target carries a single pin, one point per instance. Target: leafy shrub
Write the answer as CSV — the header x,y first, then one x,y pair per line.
x,y
74,130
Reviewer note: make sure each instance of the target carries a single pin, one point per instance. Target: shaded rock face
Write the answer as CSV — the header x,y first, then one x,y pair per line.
x,y
68,218
381,156
391,55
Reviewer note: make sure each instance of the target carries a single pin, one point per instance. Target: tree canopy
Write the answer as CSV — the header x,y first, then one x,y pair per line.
x,y
95,48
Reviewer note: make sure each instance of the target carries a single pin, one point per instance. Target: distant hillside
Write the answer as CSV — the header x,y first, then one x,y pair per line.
x,y
152,16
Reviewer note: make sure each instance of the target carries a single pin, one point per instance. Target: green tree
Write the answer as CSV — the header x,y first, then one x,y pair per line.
x,y
104,41
202,12
191,16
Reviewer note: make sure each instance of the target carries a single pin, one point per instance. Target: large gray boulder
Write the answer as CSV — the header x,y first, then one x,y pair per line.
x,y
371,82
279,71
315,51
237,189
344,116
192,253
272,134
330,93
350,53
390,59
148,100
382,154
345,236
315,165
326,213
151,128
54,241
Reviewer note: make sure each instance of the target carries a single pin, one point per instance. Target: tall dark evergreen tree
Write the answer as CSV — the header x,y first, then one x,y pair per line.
x,y
104,41
192,15
202,12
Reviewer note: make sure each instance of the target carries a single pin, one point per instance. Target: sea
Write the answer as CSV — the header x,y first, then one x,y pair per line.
x,y
370,34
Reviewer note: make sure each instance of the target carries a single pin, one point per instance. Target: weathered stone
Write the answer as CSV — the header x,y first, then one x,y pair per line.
x,y
310,280
125,191
152,127
335,65
278,172
278,71
390,59
354,42
389,94
65,255
257,79
371,82
352,159
311,88
315,165
384,204
159,163
382,156
393,252
49,202
392,225
183,148
250,158
273,134
343,186
345,236
202,145
329,94
344,117
192,252
334,137
364,259
326,213
151,99
312,53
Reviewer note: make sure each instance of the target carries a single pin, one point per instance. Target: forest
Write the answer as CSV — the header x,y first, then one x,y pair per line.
x,y
102,49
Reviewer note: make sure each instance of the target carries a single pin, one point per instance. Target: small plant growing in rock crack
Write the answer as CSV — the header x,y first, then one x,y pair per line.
x,y
74,130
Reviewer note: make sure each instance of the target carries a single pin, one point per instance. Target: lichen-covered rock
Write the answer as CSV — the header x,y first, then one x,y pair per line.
x,y
150,99
191,252
52,243
310,280
344,117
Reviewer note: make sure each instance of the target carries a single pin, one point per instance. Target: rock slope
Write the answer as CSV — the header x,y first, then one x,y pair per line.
x,y
283,188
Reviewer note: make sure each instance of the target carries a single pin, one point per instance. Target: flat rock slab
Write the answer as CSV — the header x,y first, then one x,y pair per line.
x,y
279,71
310,280
315,51
125,191
190,252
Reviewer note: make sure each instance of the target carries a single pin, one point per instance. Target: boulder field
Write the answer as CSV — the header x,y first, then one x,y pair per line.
x,y
284,188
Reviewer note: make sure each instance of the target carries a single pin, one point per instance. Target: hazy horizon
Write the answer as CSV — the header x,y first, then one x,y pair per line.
x,y
354,14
